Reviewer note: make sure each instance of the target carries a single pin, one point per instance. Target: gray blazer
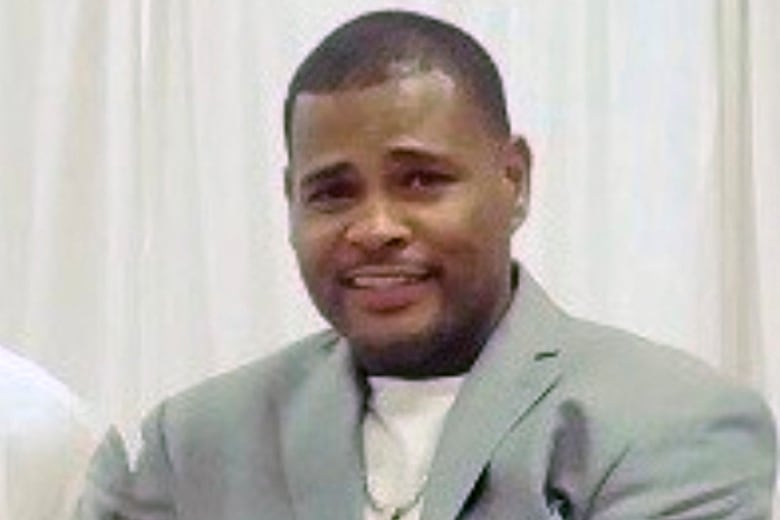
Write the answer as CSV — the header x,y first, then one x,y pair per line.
x,y
559,418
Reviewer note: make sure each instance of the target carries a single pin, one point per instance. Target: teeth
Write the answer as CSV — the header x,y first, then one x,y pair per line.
x,y
380,282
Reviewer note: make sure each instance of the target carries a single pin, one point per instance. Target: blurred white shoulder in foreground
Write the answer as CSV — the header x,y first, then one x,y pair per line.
x,y
45,442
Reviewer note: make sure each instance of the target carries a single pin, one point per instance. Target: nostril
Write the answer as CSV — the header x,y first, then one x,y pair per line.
x,y
396,242
372,234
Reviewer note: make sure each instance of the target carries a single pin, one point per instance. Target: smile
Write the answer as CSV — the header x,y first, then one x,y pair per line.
x,y
388,288
385,276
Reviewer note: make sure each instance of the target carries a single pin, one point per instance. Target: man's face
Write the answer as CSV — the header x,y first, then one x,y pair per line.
x,y
401,204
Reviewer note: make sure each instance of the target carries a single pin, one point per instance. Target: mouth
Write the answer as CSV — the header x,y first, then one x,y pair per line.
x,y
385,276
387,288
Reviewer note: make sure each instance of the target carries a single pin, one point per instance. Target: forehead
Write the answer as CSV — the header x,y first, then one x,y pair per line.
x,y
426,110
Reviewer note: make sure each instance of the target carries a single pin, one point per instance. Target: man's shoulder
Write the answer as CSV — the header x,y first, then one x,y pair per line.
x,y
597,349
619,371
600,359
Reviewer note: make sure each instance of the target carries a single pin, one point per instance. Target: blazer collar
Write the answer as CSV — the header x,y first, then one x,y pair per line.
x,y
320,435
515,370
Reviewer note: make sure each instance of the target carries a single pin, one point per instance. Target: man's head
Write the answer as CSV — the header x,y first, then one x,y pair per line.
x,y
404,186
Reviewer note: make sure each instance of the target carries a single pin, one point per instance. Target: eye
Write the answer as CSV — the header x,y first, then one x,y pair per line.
x,y
427,180
330,195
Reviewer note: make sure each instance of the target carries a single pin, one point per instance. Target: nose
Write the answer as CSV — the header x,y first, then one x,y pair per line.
x,y
379,225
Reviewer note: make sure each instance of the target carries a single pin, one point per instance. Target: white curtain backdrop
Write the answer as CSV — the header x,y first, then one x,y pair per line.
x,y
143,228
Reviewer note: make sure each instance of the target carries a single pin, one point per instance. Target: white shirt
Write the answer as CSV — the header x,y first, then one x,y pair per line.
x,y
44,443
401,428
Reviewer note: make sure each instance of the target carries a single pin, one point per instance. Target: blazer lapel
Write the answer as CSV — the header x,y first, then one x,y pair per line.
x,y
517,368
320,435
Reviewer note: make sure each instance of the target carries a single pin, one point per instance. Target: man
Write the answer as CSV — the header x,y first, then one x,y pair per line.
x,y
450,386
45,442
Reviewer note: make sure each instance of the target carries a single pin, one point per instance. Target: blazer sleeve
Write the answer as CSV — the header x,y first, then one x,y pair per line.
x,y
717,462
114,492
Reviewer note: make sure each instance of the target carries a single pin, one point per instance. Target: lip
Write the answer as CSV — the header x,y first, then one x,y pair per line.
x,y
388,287
378,276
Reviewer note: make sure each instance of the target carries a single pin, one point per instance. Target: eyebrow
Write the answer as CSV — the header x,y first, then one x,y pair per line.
x,y
411,152
427,157
323,174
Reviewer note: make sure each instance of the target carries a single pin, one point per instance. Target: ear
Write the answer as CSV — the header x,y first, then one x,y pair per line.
x,y
517,163
288,183
288,195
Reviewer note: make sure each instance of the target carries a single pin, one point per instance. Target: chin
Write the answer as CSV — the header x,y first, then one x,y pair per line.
x,y
435,350
393,353
390,343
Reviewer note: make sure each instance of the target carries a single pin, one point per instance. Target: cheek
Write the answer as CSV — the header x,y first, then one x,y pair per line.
x,y
307,246
474,224
493,218
315,246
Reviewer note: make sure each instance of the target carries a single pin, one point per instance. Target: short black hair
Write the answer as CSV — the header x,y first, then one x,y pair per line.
x,y
363,51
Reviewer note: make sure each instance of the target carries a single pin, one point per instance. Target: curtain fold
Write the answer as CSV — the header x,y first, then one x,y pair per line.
x,y
739,316
763,39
